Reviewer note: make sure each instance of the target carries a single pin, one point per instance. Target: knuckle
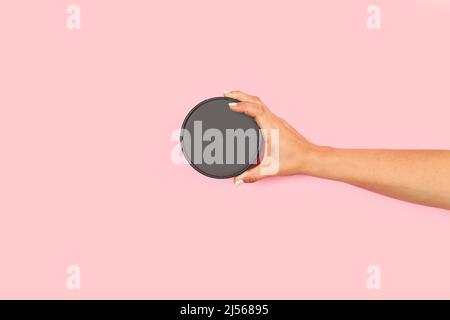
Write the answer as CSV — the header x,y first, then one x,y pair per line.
x,y
260,110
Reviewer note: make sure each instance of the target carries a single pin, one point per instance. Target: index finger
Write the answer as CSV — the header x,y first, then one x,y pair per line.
x,y
242,96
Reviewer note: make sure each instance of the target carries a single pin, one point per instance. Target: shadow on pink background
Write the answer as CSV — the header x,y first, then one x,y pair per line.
x,y
86,176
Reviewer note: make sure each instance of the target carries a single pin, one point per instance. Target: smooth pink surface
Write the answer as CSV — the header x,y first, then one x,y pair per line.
x,y
86,176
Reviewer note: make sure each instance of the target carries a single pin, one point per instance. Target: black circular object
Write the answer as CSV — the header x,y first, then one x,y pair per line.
x,y
218,142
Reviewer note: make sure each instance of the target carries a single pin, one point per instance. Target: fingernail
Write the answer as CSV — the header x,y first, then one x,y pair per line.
x,y
226,92
232,104
238,182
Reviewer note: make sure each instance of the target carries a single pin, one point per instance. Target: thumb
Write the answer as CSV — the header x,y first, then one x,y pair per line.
x,y
249,176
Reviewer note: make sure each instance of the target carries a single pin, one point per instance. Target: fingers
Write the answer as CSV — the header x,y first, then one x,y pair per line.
x,y
249,176
241,96
251,109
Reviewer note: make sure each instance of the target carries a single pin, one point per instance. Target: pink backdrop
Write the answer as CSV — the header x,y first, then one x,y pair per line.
x,y
86,176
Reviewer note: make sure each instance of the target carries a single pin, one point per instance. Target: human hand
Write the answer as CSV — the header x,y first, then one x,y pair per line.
x,y
294,150
418,176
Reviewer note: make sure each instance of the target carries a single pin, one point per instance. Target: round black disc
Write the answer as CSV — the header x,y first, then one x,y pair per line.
x,y
218,142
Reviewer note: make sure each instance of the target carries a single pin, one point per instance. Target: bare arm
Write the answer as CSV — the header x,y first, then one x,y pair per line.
x,y
419,176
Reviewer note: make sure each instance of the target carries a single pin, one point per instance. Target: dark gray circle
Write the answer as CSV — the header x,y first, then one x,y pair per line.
x,y
215,114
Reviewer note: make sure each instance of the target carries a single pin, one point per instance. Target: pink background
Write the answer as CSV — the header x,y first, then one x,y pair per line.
x,y
86,176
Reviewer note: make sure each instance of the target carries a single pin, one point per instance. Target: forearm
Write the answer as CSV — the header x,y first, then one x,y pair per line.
x,y
419,176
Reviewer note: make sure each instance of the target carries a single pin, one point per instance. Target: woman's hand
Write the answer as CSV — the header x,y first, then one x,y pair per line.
x,y
419,176
294,149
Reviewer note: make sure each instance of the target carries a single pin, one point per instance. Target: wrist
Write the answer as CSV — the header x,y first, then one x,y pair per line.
x,y
315,159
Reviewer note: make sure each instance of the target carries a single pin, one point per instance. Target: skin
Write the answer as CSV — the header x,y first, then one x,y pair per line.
x,y
418,176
